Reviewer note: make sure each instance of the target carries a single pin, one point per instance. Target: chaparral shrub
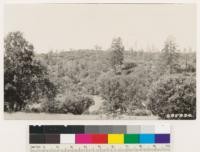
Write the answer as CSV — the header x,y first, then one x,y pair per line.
x,y
76,104
174,96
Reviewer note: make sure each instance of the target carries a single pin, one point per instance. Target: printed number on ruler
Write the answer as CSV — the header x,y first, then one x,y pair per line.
x,y
99,148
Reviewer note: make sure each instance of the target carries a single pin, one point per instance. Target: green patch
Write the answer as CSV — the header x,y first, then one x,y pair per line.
x,y
131,138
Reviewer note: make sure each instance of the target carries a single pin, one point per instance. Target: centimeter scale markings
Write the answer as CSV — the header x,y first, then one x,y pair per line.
x,y
99,148
107,138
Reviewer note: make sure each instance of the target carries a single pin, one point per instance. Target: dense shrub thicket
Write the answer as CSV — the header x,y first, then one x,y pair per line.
x,y
132,82
68,103
76,104
126,92
172,95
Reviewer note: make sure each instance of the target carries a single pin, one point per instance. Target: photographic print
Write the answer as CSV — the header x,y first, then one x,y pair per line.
x,y
100,61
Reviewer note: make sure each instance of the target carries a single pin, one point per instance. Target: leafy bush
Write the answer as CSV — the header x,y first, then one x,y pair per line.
x,y
35,107
124,93
76,104
113,90
52,106
44,105
174,94
68,103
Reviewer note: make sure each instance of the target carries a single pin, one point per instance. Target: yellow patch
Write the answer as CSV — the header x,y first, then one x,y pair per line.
x,y
115,138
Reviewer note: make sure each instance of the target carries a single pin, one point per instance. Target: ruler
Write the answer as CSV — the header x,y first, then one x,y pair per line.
x,y
99,148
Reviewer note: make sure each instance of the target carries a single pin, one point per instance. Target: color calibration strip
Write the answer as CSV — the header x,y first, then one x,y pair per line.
x,y
136,134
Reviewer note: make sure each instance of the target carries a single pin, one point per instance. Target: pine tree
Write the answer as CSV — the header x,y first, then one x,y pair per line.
x,y
169,55
117,53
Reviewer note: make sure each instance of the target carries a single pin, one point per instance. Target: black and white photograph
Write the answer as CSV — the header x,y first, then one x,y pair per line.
x,y
100,61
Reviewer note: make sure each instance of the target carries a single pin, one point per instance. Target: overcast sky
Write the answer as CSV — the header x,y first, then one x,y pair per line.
x,y
80,26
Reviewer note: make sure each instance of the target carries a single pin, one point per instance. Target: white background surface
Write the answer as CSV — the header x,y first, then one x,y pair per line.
x,y
14,134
